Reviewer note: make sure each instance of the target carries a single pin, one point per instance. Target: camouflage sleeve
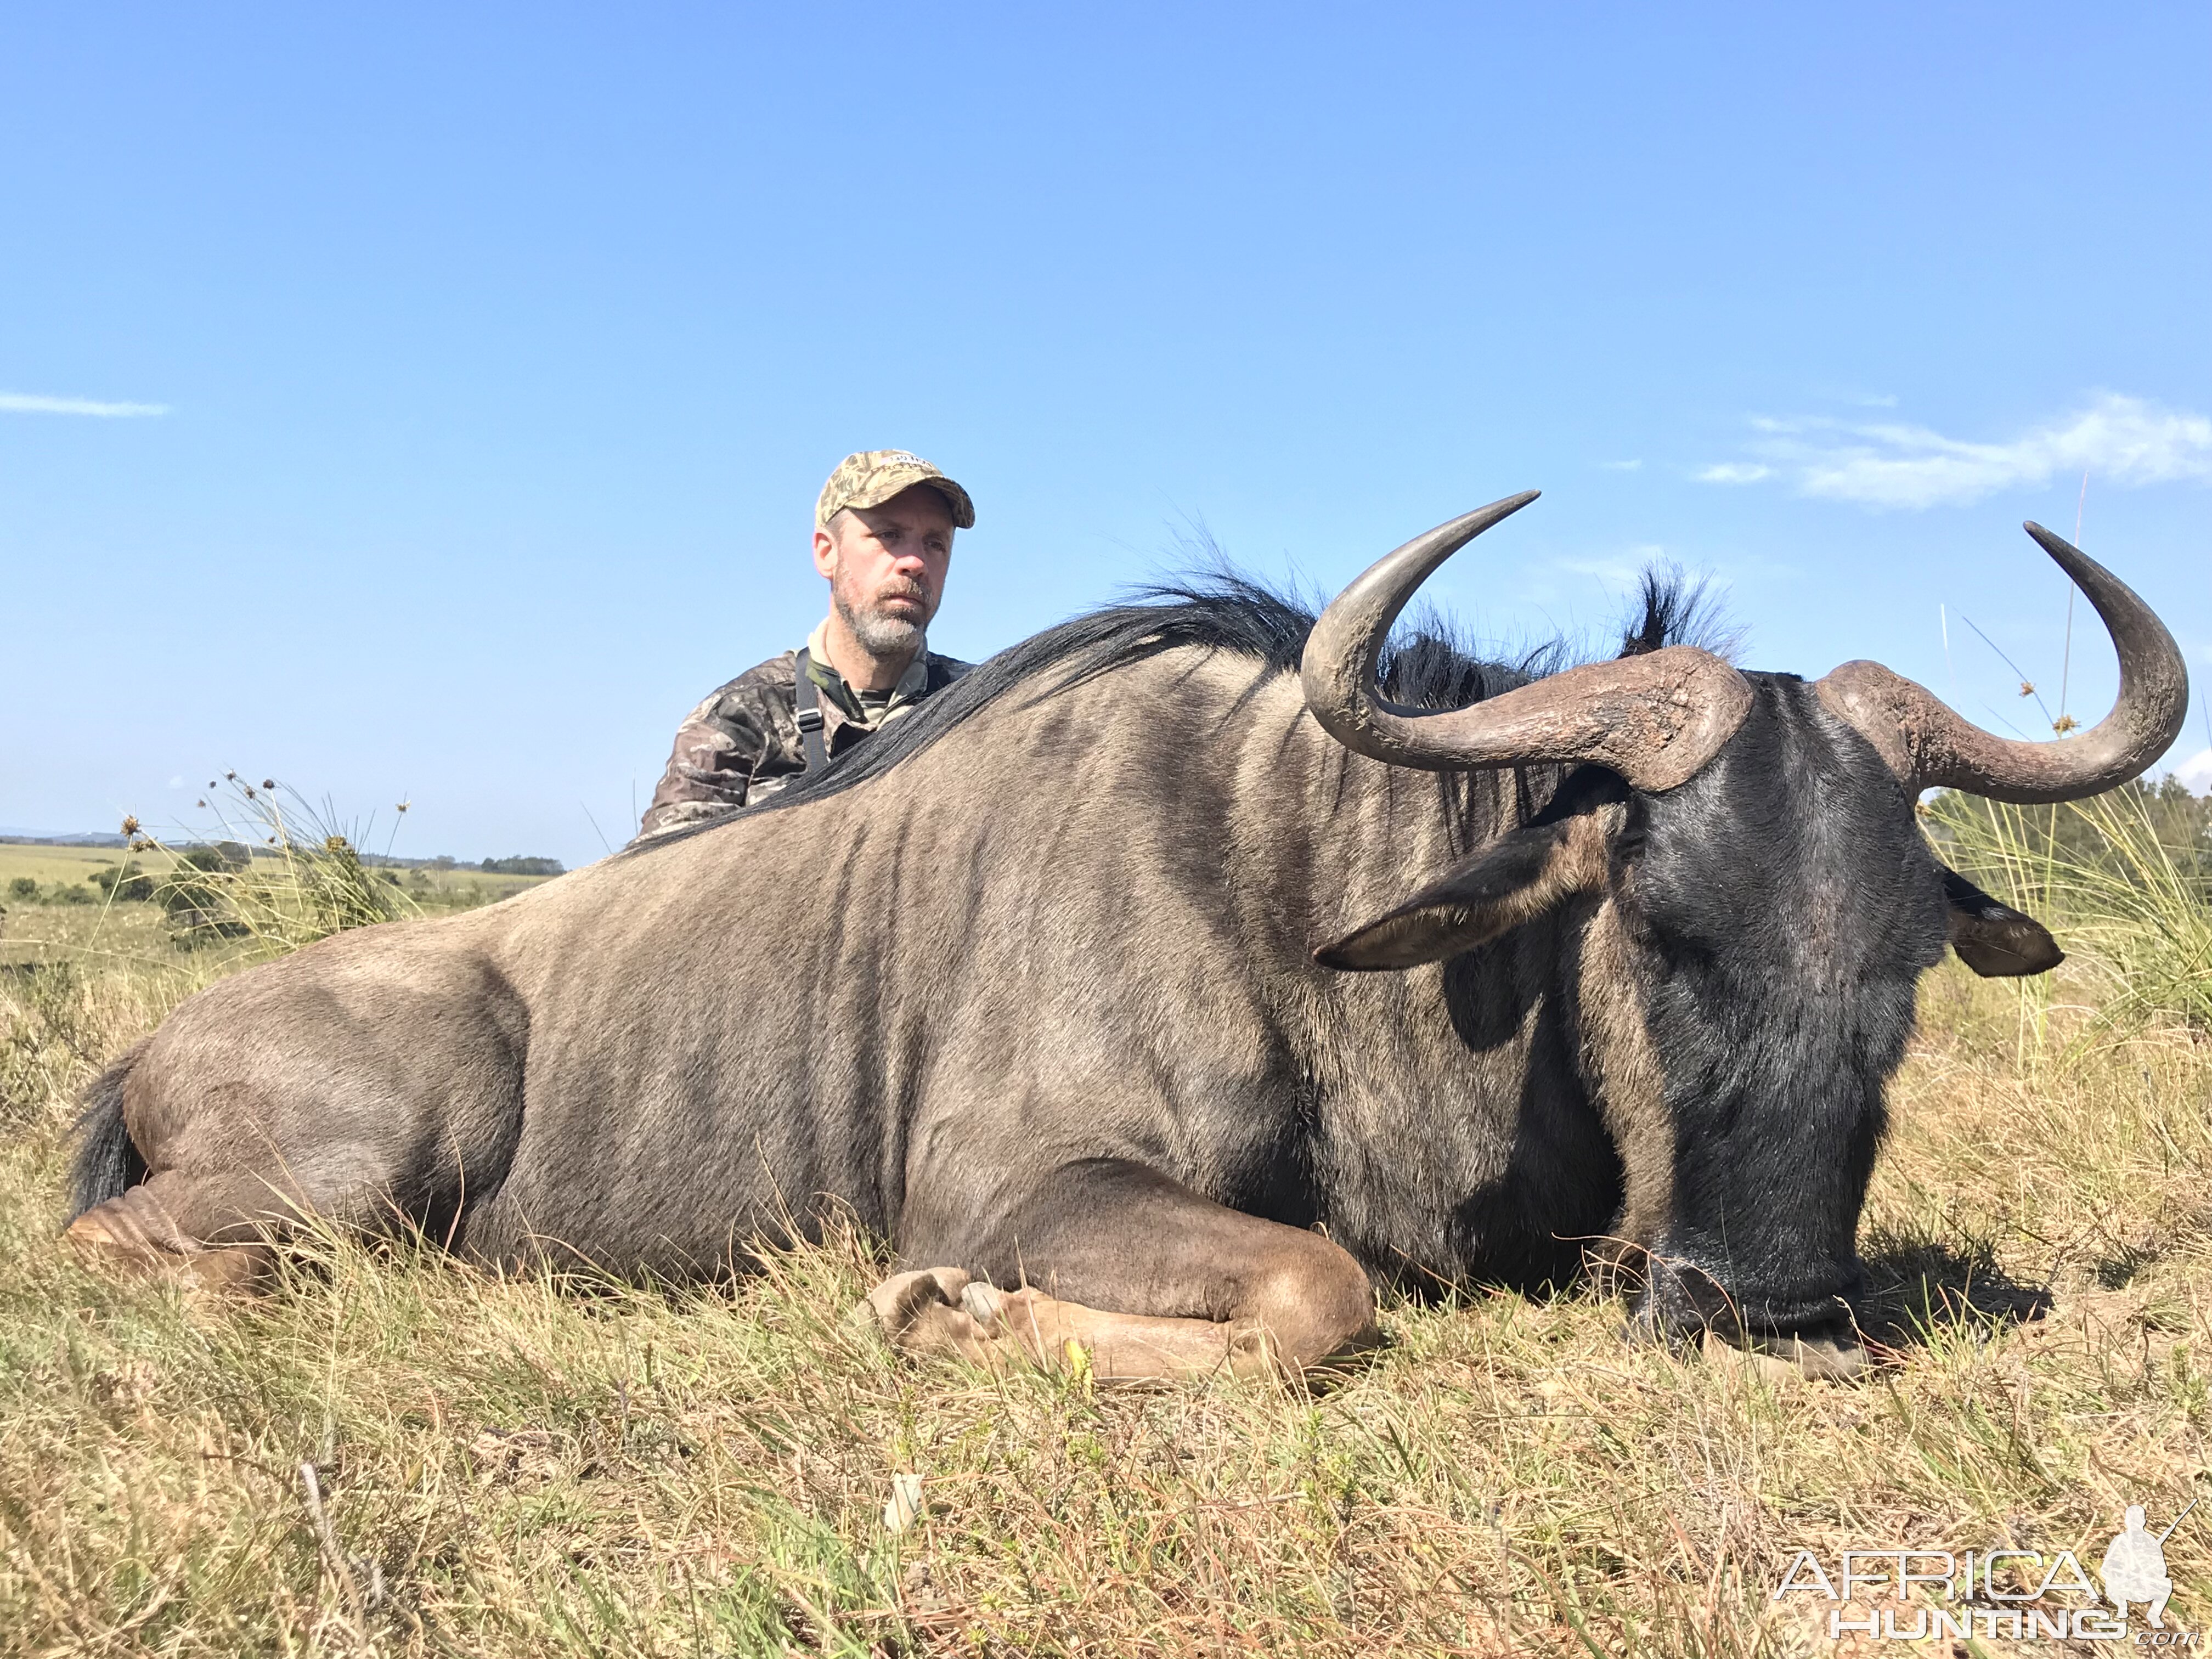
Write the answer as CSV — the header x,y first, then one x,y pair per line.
x,y
721,747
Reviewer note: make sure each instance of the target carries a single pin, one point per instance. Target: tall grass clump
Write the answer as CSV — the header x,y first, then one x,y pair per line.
x,y
49,1039
277,873
2124,877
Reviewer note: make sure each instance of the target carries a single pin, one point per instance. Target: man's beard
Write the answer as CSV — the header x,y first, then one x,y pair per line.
x,y
884,633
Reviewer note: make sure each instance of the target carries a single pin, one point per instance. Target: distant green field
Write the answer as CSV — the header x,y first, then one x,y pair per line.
x,y
67,865
47,925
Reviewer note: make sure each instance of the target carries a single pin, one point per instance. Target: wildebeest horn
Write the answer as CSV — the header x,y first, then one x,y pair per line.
x,y
1655,718
1928,746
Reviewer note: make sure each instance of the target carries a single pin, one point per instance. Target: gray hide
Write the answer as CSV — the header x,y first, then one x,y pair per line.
x,y
899,1000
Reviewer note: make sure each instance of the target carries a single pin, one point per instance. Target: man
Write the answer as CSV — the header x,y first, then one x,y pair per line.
x,y
883,538
2134,1568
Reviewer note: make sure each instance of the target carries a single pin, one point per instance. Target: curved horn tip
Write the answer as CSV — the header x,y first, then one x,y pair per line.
x,y
1927,744
1500,510
2049,541
1469,524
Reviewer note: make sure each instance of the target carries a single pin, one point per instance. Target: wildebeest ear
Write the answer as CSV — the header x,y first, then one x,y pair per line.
x,y
1994,939
1514,879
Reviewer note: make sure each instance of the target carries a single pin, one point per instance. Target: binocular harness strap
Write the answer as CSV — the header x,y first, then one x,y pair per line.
x,y
809,714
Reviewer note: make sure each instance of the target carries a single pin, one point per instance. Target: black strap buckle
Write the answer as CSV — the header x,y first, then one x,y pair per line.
x,y
807,699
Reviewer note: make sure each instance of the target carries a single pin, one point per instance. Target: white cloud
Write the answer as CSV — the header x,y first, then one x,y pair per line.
x,y
25,403
1625,569
2196,772
1622,466
2125,441
1735,472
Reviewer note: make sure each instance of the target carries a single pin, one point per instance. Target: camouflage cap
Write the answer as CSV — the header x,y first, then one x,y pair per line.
x,y
873,475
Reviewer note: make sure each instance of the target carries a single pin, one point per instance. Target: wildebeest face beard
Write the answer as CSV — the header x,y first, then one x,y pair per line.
x,y
1783,904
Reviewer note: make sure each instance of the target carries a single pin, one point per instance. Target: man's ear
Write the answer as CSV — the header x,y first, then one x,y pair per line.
x,y
1994,939
1514,879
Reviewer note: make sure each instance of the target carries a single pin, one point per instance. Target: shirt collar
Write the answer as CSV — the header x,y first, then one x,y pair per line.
x,y
910,687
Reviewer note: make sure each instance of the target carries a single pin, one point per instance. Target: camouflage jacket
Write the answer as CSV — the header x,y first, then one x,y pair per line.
x,y
742,743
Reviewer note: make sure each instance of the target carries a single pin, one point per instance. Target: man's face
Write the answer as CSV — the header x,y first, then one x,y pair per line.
x,y
886,567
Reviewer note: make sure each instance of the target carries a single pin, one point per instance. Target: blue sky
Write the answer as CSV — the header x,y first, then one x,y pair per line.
x,y
499,352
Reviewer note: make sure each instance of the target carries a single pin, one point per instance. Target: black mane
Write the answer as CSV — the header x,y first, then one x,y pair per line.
x,y
1215,611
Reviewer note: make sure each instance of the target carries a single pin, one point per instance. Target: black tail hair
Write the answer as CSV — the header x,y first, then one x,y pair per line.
x,y
108,1164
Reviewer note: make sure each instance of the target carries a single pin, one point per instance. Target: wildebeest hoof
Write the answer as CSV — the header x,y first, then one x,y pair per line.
x,y
232,1272
894,1305
926,1312
133,1237
1786,1359
983,1301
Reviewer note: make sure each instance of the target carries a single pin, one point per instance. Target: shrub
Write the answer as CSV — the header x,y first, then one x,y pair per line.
x,y
522,867
192,896
23,887
126,881
75,894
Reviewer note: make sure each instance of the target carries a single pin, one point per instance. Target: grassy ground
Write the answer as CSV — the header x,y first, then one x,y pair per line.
x,y
523,1466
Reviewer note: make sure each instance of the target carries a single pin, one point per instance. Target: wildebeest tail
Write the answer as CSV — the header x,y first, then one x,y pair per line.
x,y
106,1164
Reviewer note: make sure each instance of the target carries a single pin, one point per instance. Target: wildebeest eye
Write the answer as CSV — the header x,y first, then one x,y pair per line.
x,y
1584,789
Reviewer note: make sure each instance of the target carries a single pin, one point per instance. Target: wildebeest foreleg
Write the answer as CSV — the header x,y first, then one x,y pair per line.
x,y
1147,1278
945,1310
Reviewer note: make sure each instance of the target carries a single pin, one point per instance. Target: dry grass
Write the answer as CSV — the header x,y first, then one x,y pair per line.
x,y
526,1467
2128,877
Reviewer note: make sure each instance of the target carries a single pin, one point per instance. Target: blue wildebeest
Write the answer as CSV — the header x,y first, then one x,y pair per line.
x,y
1164,985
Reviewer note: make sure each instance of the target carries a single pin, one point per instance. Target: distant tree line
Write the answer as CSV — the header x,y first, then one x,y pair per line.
x,y
2080,834
514,866
185,894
